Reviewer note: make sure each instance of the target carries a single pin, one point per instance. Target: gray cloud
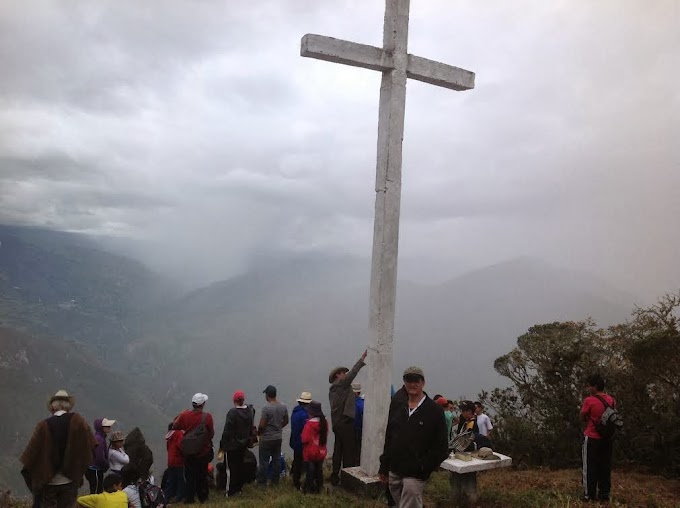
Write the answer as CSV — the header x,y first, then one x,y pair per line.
x,y
197,124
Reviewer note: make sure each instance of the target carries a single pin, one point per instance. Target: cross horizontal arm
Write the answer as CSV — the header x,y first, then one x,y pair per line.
x,y
377,59
439,74
345,52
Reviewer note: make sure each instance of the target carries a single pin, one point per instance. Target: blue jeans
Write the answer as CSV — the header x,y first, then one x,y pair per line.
x,y
174,488
314,478
269,449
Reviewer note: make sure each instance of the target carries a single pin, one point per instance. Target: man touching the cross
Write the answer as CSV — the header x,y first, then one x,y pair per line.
x,y
343,410
416,442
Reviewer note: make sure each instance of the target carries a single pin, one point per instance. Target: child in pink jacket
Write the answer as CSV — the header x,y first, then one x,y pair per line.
x,y
314,438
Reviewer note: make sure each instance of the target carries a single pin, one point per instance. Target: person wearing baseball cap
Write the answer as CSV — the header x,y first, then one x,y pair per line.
x,y
416,441
343,412
196,465
100,463
274,417
235,439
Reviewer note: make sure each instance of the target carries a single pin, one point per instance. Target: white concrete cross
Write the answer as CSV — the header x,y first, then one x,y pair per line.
x,y
396,65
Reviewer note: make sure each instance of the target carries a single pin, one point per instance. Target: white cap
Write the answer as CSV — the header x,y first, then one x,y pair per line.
x,y
199,399
107,423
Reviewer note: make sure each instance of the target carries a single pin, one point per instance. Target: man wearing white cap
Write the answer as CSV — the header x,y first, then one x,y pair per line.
x,y
58,454
199,431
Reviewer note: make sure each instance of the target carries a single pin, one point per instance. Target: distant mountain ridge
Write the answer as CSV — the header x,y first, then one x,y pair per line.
x,y
57,283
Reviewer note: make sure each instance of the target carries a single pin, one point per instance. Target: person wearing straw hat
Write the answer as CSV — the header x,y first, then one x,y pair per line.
x,y
117,456
343,411
58,454
298,418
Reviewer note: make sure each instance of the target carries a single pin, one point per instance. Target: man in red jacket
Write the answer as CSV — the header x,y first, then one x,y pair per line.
x,y
195,467
597,451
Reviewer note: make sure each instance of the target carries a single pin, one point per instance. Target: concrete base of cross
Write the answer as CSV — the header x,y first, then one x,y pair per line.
x,y
356,481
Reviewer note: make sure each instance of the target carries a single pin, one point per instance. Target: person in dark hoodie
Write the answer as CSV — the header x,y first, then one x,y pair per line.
x,y
298,418
237,430
100,464
416,442
139,452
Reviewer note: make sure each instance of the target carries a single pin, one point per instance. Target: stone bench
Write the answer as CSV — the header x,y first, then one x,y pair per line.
x,y
463,477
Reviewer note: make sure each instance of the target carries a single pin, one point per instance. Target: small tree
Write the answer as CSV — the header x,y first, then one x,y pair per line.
x,y
537,417
547,369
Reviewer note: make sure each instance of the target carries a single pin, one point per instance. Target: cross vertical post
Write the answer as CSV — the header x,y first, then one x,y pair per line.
x,y
396,66
383,290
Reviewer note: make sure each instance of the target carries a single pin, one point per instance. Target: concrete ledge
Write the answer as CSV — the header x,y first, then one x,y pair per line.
x,y
474,465
356,481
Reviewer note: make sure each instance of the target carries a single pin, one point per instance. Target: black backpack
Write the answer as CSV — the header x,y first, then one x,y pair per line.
x,y
150,495
195,439
610,423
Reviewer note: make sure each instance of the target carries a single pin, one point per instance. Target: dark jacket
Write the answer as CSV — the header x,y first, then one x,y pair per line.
x,y
414,446
298,418
342,404
44,457
101,452
141,456
237,428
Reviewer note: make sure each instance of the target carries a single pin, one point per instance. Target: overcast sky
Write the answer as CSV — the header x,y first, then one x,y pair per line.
x,y
197,125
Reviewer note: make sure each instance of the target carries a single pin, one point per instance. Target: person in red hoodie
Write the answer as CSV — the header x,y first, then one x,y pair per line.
x,y
174,486
314,450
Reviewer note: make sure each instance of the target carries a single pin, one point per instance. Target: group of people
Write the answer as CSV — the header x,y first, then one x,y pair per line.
x,y
309,435
472,419
63,449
